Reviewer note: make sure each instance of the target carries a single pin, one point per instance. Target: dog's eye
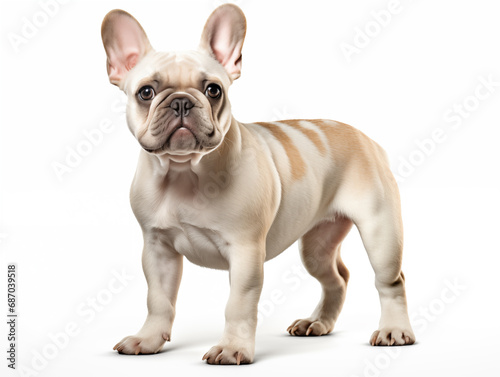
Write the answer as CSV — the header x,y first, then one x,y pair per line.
x,y
146,93
213,91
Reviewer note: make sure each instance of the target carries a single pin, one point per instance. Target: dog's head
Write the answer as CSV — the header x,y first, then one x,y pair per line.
x,y
177,101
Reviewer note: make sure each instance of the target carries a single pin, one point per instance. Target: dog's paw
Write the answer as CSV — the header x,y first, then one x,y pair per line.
x,y
387,336
306,327
136,344
228,355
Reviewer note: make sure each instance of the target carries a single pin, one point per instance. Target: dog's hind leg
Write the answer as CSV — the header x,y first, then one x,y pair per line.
x,y
320,253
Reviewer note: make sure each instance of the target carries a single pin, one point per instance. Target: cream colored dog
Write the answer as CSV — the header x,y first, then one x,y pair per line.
x,y
231,196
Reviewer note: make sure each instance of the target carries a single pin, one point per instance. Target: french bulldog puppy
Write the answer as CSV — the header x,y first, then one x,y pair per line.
x,y
230,196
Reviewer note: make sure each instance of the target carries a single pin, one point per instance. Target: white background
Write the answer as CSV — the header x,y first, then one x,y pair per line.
x,y
68,235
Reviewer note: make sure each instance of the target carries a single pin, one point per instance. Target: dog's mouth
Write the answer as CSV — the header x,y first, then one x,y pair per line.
x,y
182,134
181,139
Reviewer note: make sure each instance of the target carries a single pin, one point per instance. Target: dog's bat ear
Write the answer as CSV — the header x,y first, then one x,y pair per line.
x,y
125,43
223,37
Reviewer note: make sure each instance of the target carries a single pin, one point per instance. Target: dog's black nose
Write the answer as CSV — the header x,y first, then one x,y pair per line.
x,y
181,106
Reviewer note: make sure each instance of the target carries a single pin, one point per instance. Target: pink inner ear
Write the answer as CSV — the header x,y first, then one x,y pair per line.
x,y
127,44
222,46
231,60
225,42
126,63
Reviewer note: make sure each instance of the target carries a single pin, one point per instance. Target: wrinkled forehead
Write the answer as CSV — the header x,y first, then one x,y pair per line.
x,y
177,70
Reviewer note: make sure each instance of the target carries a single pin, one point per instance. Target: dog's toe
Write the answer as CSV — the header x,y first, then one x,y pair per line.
x,y
306,327
135,345
392,337
228,355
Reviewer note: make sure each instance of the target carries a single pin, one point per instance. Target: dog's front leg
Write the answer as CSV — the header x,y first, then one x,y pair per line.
x,y
163,269
246,272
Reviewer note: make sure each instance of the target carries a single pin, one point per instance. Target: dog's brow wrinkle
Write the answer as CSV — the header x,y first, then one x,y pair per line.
x,y
297,165
165,59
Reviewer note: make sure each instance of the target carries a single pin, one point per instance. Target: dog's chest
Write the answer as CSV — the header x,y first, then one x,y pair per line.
x,y
189,224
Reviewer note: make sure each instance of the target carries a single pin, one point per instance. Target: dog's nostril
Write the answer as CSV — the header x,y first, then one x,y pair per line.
x,y
175,105
181,106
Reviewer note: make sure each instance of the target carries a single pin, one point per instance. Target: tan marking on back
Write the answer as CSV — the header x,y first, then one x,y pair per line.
x,y
354,151
310,134
297,165
338,135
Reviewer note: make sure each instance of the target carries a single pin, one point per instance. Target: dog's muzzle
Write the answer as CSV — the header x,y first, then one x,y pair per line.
x,y
178,123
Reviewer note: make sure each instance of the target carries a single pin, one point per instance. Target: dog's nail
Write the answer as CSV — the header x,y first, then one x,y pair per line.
x,y
309,330
374,337
165,336
204,357
238,358
137,350
218,358
392,342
